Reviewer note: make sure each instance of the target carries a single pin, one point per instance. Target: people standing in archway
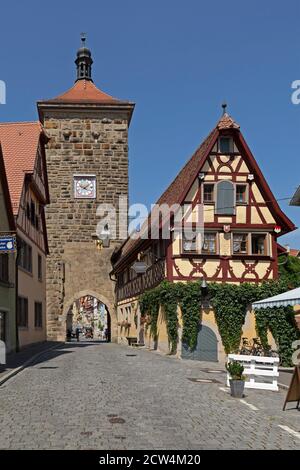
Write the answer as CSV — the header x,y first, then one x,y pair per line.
x,y
77,333
106,334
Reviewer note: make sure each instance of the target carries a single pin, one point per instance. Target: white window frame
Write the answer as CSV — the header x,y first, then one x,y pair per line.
x,y
212,183
249,243
206,232
238,203
197,250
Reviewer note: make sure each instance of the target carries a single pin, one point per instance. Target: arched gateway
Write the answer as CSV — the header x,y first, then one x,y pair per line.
x,y
90,309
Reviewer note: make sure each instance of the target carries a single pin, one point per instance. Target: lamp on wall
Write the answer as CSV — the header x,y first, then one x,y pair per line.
x,y
105,236
204,288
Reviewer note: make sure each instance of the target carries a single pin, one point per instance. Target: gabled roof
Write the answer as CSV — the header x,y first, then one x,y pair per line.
x,y
85,91
178,189
19,141
295,201
7,201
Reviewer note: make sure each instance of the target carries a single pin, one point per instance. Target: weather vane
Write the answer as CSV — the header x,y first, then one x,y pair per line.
x,y
83,38
224,106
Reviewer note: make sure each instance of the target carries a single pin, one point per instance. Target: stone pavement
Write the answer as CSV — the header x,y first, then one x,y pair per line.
x,y
105,396
16,360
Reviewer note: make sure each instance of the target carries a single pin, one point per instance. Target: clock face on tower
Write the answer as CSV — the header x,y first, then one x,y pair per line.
x,y
85,186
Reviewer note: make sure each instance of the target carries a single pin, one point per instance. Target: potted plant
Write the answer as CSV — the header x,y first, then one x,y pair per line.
x,y
237,379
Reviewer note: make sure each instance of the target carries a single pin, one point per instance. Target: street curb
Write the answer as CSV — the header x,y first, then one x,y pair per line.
x,y
15,371
285,387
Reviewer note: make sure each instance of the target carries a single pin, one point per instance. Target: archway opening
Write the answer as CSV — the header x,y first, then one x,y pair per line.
x,y
88,319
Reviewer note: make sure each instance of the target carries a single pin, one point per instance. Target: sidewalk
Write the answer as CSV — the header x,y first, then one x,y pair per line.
x,y
18,361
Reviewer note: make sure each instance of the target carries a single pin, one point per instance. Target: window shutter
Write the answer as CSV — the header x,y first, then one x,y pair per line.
x,y
225,198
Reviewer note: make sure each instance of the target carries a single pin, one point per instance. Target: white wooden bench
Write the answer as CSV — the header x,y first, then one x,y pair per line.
x,y
255,368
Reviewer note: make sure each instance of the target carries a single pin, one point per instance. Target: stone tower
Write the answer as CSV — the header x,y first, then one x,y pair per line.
x,y
87,162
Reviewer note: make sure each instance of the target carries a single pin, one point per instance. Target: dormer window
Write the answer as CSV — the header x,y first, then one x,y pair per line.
x,y
225,145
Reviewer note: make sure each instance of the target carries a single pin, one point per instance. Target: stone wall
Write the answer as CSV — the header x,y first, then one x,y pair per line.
x,y
92,143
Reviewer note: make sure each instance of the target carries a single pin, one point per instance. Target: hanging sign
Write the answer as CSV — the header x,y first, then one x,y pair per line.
x,y
140,267
8,244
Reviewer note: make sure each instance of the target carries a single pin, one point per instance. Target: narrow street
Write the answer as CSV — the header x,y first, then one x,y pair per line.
x,y
104,396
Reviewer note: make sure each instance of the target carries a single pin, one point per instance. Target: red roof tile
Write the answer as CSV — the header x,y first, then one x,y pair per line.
x,y
294,252
84,91
226,122
19,142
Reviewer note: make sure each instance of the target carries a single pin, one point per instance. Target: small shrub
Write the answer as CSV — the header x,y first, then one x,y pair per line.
x,y
235,370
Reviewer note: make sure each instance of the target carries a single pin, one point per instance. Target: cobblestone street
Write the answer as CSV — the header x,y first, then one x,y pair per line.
x,y
106,396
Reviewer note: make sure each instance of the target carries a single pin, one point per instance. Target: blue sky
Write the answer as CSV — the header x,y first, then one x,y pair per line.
x,y
178,60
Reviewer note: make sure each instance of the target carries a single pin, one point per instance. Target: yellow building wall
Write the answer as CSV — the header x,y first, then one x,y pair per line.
x,y
126,312
30,287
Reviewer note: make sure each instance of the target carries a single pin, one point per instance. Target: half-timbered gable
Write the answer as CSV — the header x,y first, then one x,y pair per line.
x,y
228,207
240,214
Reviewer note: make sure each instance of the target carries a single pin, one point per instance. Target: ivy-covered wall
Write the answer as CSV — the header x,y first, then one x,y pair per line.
x,y
230,303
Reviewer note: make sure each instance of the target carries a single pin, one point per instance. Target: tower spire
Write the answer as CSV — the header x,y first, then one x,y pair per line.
x,y
224,106
84,61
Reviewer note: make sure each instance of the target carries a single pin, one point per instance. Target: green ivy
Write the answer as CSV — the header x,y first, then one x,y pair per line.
x,y
168,297
230,303
149,304
190,304
281,323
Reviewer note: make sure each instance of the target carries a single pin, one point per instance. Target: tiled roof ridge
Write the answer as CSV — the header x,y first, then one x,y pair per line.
x,y
95,94
20,122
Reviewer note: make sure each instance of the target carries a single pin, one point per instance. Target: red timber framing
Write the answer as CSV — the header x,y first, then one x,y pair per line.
x,y
177,193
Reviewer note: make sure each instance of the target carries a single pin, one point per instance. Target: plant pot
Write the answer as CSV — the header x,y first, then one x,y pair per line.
x,y
237,388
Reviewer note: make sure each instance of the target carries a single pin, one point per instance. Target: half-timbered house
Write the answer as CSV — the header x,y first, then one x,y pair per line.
x,y
231,219
23,147
7,266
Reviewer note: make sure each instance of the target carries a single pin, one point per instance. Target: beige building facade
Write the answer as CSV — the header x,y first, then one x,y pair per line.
x,y
23,147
